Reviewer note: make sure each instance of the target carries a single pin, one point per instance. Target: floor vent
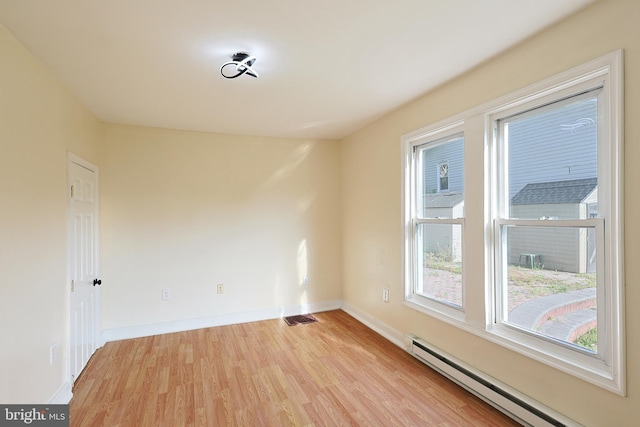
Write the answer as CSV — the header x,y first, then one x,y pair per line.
x,y
300,319
509,401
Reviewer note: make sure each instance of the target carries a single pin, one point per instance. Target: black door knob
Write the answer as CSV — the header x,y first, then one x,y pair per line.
x,y
97,282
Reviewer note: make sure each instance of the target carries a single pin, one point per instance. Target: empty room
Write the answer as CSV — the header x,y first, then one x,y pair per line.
x,y
352,212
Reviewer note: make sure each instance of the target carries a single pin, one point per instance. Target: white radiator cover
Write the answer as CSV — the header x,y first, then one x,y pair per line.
x,y
504,398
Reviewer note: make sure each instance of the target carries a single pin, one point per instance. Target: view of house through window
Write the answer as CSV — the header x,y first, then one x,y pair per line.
x,y
548,262
443,179
544,201
440,207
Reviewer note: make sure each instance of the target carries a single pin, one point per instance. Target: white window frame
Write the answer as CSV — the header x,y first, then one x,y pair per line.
x,y
411,183
479,316
606,368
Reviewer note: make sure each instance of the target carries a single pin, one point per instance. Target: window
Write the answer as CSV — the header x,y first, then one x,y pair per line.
x,y
542,232
547,239
556,221
443,177
436,230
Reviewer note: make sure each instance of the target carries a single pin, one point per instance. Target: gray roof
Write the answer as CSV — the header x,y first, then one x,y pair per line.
x,y
443,200
544,193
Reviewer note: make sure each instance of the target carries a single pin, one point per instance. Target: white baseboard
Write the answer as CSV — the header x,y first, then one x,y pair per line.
x,y
63,395
137,331
373,323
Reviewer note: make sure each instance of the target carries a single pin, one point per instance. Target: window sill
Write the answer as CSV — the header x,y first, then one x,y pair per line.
x,y
441,311
581,365
584,366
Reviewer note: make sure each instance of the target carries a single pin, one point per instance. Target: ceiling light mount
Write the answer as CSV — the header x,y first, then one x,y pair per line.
x,y
242,62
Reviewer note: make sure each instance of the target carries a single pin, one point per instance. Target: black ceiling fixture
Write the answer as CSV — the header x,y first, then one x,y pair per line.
x,y
242,62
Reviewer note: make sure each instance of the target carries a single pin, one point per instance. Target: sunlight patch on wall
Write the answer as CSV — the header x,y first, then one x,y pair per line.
x,y
303,264
291,162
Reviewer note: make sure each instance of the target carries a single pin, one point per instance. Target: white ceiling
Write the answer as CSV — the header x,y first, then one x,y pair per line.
x,y
327,67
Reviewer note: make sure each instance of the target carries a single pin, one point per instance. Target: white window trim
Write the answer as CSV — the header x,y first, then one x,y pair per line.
x,y
412,299
609,374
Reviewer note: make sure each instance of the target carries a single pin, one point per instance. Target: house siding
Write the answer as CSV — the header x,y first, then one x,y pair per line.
x,y
556,145
452,153
444,239
554,211
559,249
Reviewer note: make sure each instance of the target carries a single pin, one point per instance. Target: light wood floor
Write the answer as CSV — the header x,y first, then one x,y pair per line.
x,y
332,372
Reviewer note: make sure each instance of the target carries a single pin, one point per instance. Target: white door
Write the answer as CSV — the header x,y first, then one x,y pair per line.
x,y
83,264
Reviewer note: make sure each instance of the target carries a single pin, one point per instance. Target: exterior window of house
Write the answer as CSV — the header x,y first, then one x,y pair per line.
x,y
556,223
443,177
436,231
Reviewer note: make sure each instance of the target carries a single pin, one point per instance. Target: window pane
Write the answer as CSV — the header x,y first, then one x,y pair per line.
x,y
440,266
551,173
440,178
552,160
551,282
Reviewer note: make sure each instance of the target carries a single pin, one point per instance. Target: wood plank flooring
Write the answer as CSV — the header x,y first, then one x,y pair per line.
x,y
335,372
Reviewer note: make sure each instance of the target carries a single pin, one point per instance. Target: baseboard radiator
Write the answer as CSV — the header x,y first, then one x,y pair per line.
x,y
506,399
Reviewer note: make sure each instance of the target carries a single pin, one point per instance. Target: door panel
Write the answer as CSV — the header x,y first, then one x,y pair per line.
x,y
83,268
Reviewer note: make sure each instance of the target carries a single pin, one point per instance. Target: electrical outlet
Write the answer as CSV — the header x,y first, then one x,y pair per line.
x,y
220,288
385,295
166,294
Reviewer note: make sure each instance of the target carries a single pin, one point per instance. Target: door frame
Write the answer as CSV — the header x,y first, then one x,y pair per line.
x,y
73,158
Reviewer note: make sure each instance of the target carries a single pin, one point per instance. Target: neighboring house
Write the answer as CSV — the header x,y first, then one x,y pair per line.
x,y
443,183
557,145
443,167
444,240
564,142
570,250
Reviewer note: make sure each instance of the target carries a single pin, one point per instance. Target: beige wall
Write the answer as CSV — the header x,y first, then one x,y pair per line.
x,y
39,121
371,188
186,211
